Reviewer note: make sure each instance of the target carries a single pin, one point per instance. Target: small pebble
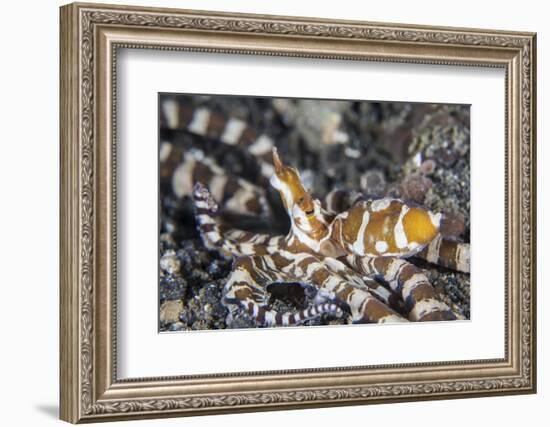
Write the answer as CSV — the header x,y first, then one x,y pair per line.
x,y
172,287
169,262
178,326
170,311
352,152
415,187
427,167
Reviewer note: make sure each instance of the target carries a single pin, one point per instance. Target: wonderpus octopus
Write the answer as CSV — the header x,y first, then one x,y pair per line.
x,y
349,253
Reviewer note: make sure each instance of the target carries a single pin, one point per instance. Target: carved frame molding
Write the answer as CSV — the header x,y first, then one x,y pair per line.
x,y
90,36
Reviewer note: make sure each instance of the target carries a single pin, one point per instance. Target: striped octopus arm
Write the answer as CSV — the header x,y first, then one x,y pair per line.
x,y
381,292
210,124
357,299
229,241
246,289
182,169
421,301
447,253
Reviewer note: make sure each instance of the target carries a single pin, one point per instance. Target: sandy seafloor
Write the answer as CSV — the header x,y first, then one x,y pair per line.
x,y
418,152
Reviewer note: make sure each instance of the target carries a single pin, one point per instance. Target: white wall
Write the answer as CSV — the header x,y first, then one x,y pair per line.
x,y
29,170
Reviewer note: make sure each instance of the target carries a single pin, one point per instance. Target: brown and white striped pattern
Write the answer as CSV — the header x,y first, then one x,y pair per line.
x,y
246,288
207,123
447,253
247,283
371,282
442,251
340,200
365,300
421,301
234,194
231,242
363,306
367,303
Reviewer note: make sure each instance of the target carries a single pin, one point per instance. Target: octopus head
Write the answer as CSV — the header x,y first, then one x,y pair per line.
x,y
302,208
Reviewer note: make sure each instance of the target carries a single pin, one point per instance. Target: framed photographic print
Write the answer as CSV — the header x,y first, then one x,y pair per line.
x,y
302,212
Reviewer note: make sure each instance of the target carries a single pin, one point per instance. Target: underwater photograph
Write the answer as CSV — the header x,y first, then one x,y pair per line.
x,y
277,212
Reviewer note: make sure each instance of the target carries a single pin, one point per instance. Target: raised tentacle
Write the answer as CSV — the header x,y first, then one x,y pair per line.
x,y
231,242
447,253
246,288
410,282
207,123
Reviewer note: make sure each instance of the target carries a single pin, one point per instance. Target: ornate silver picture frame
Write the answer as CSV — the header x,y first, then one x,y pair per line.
x,y
92,37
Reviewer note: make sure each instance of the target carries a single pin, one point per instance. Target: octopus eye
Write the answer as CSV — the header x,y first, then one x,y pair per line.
x,y
306,205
